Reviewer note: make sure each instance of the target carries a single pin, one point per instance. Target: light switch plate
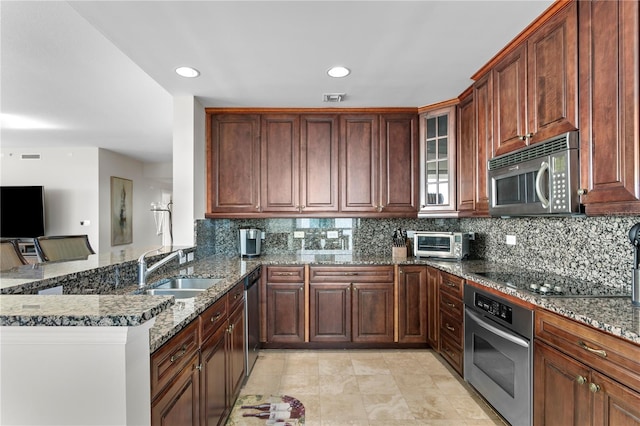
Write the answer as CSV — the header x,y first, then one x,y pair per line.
x,y
298,234
332,234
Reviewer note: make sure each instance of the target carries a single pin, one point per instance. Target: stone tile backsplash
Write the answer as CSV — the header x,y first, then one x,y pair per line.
x,y
595,249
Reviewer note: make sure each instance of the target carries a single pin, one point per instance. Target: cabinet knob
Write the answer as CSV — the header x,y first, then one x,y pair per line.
x,y
594,388
582,191
258,207
581,380
379,208
529,135
301,288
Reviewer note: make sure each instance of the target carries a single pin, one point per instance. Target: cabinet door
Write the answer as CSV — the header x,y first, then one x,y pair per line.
x,y
560,389
372,312
330,312
552,76
280,151
412,304
483,99
285,312
510,101
233,169
399,163
613,403
433,308
213,389
235,353
179,403
609,109
438,162
319,163
359,163
466,156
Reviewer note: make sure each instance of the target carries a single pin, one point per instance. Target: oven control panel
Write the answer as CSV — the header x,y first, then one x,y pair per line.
x,y
493,307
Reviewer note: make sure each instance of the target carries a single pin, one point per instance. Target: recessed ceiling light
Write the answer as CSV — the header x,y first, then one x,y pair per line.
x,y
187,72
338,72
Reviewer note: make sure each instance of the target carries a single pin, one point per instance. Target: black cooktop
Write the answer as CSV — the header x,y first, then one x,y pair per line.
x,y
547,284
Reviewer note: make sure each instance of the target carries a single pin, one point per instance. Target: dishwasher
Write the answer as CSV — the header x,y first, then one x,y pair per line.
x,y
251,319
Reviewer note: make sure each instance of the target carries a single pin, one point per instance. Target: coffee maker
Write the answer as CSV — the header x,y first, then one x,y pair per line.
x,y
250,242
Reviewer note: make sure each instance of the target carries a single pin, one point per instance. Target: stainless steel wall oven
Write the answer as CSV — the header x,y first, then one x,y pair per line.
x,y
498,353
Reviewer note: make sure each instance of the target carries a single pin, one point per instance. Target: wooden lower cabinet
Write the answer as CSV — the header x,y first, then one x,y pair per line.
x,y
285,304
451,318
433,308
196,375
179,404
583,376
351,304
412,304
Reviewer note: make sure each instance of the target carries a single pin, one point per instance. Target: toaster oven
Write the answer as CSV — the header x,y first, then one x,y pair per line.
x,y
443,245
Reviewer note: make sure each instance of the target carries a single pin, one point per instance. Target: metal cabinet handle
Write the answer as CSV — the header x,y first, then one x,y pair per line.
x,y
594,388
301,288
350,273
449,304
216,317
180,354
599,352
199,367
450,284
581,380
258,207
284,274
449,327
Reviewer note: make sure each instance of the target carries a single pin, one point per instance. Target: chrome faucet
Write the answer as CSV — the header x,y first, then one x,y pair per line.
x,y
144,271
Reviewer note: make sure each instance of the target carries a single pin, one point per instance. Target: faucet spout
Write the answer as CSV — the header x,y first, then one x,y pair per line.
x,y
144,271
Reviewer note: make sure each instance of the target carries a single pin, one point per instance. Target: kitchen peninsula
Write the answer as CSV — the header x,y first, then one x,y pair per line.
x,y
162,319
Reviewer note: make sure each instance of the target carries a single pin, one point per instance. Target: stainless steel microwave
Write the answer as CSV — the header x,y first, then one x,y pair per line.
x,y
539,180
443,245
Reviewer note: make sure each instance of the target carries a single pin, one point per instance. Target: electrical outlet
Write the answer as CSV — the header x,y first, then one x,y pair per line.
x,y
189,256
298,234
263,235
511,240
472,236
410,234
332,234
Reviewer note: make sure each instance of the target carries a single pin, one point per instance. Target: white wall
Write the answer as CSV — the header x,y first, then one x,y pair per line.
x,y
188,167
70,180
77,184
145,191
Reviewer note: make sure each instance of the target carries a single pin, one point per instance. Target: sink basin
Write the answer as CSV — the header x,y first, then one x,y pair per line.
x,y
189,283
176,292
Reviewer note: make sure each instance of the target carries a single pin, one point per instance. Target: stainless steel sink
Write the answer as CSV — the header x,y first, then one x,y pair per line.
x,y
178,293
189,283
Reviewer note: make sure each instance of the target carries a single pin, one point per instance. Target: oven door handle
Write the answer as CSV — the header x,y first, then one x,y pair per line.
x,y
507,336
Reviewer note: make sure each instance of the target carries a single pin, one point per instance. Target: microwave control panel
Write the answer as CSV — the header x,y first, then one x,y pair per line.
x,y
494,308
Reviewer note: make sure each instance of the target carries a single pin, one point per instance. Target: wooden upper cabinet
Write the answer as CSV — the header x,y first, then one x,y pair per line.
x,y
360,156
609,108
535,85
467,161
319,163
280,156
233,164
399,162
552,75
482,98
510,100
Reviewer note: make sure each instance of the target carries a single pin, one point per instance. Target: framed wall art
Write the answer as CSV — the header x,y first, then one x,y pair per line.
x,y
121,211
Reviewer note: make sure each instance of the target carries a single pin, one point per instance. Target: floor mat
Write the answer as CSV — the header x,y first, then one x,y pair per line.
x,y
280,410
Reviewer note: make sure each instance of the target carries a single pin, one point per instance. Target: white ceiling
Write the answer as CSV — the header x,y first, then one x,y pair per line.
x,y
101,73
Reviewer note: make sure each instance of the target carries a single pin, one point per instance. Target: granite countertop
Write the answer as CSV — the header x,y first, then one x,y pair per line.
x,y
613,315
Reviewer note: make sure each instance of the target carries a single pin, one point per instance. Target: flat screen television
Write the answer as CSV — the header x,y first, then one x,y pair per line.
x,y
21,211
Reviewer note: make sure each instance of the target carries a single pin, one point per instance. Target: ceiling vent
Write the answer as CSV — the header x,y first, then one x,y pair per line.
x,y
333,97
29,156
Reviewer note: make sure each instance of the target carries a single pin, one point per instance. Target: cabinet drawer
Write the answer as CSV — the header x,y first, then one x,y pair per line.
x,y
451,284
604,352
173,357
213,318
285,274
452,353
452,327
235,296
451,305
361,274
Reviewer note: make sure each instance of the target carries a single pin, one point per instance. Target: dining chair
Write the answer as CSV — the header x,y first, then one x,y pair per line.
x,y
10,255
63,247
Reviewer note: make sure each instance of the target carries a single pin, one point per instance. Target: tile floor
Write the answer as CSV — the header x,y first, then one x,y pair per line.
x,y
368,387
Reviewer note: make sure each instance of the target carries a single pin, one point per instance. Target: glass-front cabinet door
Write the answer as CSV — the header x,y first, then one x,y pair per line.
x,y
437,162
